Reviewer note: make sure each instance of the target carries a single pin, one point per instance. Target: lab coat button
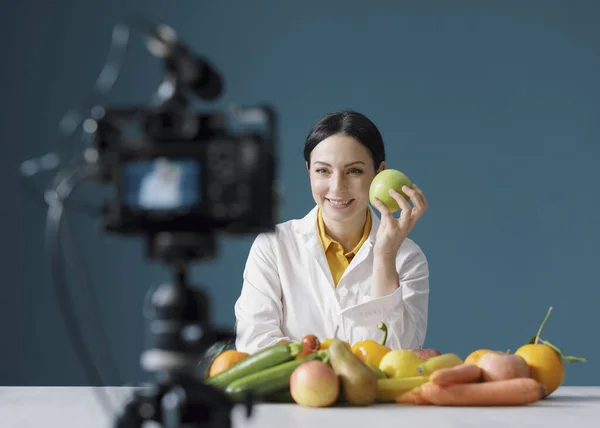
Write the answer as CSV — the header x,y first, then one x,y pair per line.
x,y
343,292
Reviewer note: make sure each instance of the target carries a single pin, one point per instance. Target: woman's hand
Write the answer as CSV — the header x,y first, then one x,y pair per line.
x,y
392,231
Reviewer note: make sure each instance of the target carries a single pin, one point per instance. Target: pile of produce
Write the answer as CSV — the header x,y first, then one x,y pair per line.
x,y
315,373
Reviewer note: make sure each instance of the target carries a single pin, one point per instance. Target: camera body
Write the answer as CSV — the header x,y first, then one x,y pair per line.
x,y
202,174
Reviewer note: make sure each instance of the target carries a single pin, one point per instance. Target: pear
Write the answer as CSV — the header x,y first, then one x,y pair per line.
x,y
359,383
376,370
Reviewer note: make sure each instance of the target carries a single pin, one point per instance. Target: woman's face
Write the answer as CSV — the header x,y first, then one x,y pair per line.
x,y
341,171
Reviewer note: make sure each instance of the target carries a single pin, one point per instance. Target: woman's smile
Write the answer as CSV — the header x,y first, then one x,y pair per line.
x,y
339,204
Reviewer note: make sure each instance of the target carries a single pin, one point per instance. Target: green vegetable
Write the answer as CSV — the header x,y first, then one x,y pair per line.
x,y
267,382
284,396
265,359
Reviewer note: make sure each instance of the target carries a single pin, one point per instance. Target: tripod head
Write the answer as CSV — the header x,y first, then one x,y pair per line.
x,y
179,333
179,317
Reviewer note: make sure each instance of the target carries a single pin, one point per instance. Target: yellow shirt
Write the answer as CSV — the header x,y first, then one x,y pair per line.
x,y
337,260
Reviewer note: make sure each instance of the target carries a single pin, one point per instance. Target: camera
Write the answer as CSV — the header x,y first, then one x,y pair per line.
x,y
197,173
178,177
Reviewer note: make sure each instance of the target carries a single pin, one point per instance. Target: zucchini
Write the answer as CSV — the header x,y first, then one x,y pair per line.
x,y
272,380
279,397
262,360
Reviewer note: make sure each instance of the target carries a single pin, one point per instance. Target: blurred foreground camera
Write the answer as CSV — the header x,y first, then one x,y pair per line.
x,y
187,174
179,172
179,178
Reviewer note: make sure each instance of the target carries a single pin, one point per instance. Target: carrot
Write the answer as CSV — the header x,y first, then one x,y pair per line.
x,y
420,400
413,396
462,373
510,392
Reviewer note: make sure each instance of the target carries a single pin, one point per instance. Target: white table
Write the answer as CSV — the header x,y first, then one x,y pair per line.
x,y
66,407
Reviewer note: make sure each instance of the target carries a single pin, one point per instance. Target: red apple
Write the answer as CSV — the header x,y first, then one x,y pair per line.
x,y
314,384
383,182
425,354
499,366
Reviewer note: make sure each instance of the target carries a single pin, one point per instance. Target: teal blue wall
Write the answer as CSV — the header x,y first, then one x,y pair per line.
x,y
491,107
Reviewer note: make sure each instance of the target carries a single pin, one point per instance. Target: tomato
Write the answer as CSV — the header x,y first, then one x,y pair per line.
x,y
312,342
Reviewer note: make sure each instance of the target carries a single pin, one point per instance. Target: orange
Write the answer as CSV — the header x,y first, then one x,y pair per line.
x,y
474,356
225,360
545,363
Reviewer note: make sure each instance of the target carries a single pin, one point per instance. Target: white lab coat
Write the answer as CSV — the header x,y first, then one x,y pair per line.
x,y
288,292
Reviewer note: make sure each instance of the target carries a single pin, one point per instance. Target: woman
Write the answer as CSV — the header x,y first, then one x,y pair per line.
x,y
340,267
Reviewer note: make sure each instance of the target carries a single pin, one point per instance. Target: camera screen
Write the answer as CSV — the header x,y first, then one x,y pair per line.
x,y
161,184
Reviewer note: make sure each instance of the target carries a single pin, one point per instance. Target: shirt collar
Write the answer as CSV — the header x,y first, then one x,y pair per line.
x,y
306,225
327,241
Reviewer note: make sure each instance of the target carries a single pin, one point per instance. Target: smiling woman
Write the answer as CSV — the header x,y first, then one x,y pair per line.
x,y
341,171
340,267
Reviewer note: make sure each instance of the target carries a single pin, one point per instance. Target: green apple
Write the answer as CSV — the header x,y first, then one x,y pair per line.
x,y
383,182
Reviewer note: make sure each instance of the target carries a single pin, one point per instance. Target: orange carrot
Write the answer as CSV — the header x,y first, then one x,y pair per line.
x,y
413,396
510,392
420,400
462,373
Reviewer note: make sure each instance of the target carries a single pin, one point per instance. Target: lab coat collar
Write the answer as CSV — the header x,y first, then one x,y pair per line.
x,y
308,224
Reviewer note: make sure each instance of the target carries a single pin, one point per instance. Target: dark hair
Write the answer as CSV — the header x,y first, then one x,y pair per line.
x,y
348,123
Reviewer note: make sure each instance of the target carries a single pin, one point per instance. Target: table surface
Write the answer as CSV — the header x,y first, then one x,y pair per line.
x,y
66,407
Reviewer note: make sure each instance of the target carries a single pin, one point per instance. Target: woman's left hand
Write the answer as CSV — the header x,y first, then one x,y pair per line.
x,y
392,231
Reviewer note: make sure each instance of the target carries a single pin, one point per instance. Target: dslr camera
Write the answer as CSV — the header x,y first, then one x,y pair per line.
x,y
185,173
175,171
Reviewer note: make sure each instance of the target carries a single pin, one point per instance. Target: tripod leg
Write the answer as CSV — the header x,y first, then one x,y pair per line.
x,y
193,404
141,407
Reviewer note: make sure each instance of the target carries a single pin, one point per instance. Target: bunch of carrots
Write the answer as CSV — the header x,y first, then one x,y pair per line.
x,y
463,385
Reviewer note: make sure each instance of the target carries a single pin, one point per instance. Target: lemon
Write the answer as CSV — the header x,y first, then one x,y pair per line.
x,y
400,363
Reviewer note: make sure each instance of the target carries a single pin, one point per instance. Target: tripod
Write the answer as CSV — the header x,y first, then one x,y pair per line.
x,y
179,333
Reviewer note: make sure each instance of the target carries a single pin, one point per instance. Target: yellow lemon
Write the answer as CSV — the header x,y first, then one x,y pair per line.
x,y
400,363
